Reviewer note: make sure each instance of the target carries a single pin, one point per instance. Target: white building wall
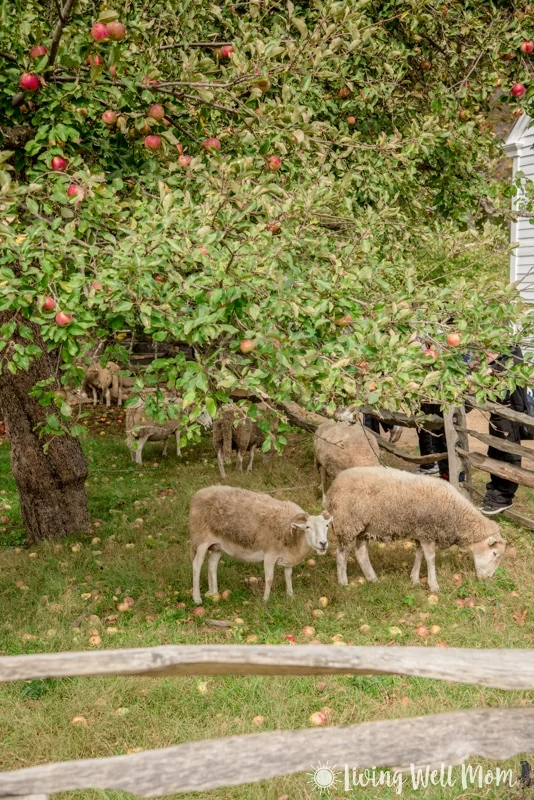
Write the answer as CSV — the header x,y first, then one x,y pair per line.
x,y
520,145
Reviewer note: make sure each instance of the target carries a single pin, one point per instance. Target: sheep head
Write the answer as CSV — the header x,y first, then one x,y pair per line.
x,y
315,530
488,552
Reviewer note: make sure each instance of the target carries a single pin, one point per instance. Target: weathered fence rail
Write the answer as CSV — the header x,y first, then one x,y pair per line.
x,y
449,738
500,669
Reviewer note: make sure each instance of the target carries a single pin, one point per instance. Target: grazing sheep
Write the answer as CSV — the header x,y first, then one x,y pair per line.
x,y
251,527
234,430
98,380
338,446
139,427
383,503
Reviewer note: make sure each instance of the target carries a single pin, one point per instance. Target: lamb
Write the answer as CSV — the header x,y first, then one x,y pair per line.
x,y
139,427
251,527
98,380
101,380
384,503
230,431
338,446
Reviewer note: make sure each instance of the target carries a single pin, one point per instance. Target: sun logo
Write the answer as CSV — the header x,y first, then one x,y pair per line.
x,y
323,778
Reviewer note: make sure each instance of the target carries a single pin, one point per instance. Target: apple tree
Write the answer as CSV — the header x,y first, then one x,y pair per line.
x,y
264,181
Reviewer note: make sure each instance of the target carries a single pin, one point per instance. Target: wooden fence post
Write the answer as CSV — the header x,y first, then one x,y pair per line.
x,y
459,468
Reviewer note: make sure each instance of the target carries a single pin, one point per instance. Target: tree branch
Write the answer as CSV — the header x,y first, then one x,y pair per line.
x,y
194,44
8,57
64,14
490,209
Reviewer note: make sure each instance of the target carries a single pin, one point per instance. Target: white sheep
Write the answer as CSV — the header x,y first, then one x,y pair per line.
x,y
251,527
338,446
383,503
141,429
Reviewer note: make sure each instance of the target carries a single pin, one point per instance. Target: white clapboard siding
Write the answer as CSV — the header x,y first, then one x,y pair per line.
x,y
520,146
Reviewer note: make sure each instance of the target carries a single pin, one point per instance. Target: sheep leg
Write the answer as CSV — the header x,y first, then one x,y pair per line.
x,y
416,569
94,395
239,461
363,560
288,572
429,549
268,565
220,461
139,452
178,451
213,563
341,561
251,459
108,398
197,566
165,446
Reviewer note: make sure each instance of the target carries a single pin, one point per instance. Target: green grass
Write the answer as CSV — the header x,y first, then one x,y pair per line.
x,y
55,598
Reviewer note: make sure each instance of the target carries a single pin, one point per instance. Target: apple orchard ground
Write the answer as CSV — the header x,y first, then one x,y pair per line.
x,y
56,597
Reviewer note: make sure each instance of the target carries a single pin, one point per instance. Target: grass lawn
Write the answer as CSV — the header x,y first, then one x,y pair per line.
x,y
64,597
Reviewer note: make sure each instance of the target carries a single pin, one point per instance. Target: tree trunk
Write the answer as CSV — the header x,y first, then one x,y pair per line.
x,y
51,487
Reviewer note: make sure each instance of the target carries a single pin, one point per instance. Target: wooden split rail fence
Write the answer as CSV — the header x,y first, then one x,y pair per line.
x,y
461,460
450,738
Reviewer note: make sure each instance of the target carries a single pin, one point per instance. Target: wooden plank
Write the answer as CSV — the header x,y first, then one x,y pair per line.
x,y
430,422
507,413
526,522
456,464
524,477
499,444
450,738
501,669
391,448
459,422
25,797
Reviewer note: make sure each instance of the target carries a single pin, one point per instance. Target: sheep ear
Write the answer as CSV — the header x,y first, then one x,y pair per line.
x,y
328,517
492,540
299,522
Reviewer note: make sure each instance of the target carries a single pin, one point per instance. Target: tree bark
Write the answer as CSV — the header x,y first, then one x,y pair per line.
x,y
50,484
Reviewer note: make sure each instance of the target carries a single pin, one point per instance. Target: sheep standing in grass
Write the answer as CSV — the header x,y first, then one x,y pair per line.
x,y
98,381
102,382
383,503
251,527
338,446
234,430
140,429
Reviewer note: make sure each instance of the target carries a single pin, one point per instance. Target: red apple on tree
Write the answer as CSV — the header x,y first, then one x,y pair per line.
x,y
247,345
99,31
63,319
152,142
225,51
274,227
184,160
76,191
96,286
113,71
344,92
38,51
453,340
95,60
526,47
274,163
156,111
116,30
351,120
29,82
49,303
518,90
212,143
109,117
431,353
58,163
